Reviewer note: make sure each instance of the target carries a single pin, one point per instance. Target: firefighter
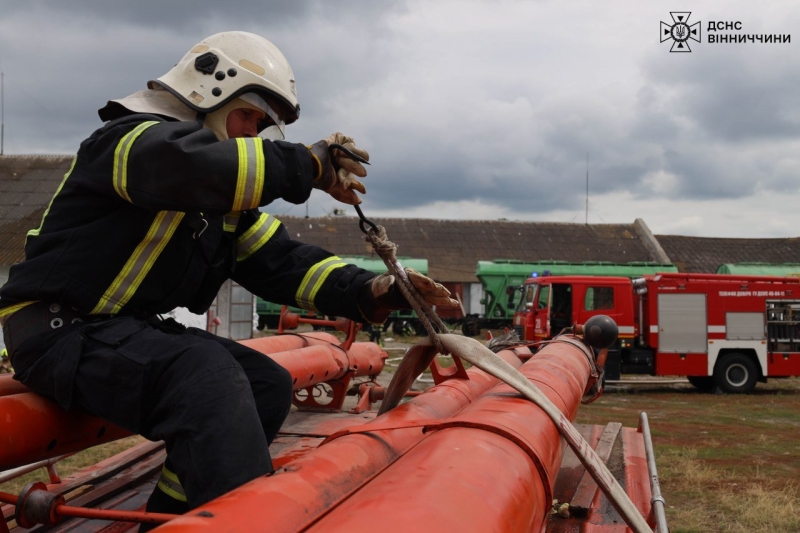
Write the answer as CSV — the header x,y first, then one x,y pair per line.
x,y
159,208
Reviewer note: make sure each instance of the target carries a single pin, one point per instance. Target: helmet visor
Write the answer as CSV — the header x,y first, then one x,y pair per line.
x,y
273,127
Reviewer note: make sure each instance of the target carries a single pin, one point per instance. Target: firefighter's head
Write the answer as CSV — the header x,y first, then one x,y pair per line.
x,y
235,74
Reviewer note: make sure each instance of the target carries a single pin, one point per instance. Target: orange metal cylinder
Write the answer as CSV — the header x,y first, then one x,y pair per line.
x,y
322,362
282,343
491,469
308,487
9,385
34,428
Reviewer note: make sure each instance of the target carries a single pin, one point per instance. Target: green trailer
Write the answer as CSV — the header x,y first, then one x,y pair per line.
x,y
269,313
760,269
502,278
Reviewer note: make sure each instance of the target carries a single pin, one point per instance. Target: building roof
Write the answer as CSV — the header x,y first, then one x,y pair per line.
x,y
706,254
26,185
454,247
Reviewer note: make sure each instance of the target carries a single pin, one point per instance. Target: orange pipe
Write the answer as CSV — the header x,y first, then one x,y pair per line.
x,y
308,487
34,428
9,385
291,341
492,469
321,361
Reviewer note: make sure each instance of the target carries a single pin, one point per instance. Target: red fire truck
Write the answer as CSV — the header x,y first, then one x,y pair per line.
x,y
718,330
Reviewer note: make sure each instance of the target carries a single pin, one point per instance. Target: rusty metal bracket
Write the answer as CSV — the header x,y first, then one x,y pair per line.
x,y
441,374
310,403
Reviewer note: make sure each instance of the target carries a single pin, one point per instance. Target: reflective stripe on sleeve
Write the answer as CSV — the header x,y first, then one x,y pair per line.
x,y
314,279
139,263
256,236
250,180
230,222
170,485
121,159
35,232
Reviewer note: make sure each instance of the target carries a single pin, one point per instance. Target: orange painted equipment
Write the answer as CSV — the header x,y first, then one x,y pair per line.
x,y
9,386
458,465
492,467
308,487
34,428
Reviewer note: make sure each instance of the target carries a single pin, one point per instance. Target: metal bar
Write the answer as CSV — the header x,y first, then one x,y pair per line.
x,y
115,516
657,502
19,471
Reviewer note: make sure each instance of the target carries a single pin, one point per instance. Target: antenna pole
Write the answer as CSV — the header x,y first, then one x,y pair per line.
x,y
587,188
2,113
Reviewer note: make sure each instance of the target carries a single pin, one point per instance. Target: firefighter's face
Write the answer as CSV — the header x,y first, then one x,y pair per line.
x,y
243,122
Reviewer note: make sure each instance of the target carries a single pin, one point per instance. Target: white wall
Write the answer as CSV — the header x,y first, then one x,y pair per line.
x,y
475,296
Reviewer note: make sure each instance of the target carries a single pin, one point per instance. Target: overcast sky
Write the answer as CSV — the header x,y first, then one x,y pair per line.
x,y
480,110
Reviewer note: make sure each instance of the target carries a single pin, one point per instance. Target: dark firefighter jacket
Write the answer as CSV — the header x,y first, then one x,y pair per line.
x,y
157,214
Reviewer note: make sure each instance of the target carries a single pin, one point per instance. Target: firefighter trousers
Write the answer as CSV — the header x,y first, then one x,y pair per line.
x,y
215,403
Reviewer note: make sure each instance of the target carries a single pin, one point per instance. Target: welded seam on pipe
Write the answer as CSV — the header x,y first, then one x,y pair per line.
x,y
437,424
357,488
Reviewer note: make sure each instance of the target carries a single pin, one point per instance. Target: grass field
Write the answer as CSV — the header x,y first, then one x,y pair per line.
x,y
726,462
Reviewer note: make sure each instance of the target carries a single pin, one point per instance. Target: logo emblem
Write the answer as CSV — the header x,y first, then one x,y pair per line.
x,y
680,31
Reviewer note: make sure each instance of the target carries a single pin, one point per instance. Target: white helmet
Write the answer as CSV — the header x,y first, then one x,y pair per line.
x,y
229,64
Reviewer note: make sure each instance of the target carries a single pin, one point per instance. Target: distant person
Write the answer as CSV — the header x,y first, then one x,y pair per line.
x,y
159,208
375,331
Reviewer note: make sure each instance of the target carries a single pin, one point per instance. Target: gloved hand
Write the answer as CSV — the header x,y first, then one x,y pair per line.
x,y
381,296
337,175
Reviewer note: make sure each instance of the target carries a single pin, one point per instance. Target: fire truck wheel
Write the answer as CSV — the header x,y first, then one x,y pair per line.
x,y
703,383
736,373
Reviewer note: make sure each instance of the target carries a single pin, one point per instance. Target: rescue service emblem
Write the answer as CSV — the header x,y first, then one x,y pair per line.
x,y
680,31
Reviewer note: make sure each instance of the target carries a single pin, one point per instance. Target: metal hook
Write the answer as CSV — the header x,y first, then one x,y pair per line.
x,y
365,220
352,155
198,233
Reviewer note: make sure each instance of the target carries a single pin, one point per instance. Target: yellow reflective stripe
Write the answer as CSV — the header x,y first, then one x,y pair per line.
x,y
314,279
6,312
230,222
35,232
258,186
121,159
168,482
140,262
256,236
250,178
